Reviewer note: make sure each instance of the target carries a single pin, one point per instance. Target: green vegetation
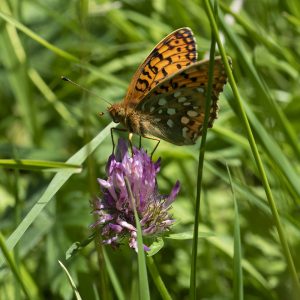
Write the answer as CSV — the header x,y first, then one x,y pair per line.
x,y
54,146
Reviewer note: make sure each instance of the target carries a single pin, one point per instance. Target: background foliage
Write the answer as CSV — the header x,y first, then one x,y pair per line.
x,y
99,44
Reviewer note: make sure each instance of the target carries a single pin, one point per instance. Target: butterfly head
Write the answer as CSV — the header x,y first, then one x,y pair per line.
x,y
117,112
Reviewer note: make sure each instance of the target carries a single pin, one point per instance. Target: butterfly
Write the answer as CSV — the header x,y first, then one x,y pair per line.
x,y
166,96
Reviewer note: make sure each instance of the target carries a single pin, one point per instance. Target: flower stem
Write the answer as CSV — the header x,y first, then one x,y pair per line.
x,y
157,279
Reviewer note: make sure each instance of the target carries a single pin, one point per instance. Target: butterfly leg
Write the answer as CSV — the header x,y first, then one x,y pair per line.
x,y
158,141
153,139
112,135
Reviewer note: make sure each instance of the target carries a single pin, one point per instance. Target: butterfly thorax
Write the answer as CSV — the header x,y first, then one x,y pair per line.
x,y
127,116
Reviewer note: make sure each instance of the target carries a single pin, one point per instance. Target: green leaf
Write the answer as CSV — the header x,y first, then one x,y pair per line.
x,y
156,246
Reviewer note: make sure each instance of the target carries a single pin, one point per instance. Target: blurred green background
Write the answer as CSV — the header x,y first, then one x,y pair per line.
x,y
100,44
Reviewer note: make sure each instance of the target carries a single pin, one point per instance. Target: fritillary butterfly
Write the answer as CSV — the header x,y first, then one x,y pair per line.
x,y
166,97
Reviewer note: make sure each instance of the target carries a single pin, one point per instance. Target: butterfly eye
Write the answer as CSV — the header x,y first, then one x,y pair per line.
x,y
115,118
116,113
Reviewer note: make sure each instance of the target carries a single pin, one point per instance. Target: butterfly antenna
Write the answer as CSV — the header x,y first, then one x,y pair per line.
x,y
84,89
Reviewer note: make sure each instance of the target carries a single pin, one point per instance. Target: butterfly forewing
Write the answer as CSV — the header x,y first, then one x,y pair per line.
x,y
174,52
176,106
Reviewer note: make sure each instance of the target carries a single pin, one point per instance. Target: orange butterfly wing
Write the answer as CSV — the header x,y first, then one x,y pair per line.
x,y
174,52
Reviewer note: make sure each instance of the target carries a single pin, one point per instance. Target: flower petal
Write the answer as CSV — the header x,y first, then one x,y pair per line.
x,y
173,193
114,211
122,149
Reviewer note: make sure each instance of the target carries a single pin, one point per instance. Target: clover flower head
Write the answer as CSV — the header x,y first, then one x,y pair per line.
x,y
114,211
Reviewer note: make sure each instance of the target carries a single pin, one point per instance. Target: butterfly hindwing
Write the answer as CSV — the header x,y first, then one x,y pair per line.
x,y
176,106
174,52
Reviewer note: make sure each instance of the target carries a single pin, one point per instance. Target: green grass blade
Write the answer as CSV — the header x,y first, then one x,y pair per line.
x,y
261,36
37,165
11,263
50,96
113,277
274,151
143,278
56,183
193,275
226,247
237,255
13,57
243,57
245,122
71,281
37,38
